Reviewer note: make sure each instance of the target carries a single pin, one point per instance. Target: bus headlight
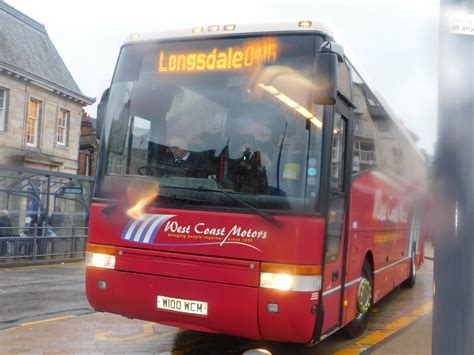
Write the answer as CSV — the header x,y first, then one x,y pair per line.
x,y
286,277
277,281
101,256
100,260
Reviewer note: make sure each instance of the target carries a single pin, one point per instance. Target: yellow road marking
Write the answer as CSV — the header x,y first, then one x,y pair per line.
x,y
349,351
421,311
377,336
46,321
33,267
147,332
401,323
107,335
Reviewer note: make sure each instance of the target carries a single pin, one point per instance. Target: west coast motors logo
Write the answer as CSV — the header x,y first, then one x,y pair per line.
x,y
147,229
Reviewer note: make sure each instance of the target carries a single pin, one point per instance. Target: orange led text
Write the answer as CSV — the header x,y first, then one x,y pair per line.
x,y
249,55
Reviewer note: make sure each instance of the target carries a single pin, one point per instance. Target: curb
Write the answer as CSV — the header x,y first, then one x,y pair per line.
x,y
23,263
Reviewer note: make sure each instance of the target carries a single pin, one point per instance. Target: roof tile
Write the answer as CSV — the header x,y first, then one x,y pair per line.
x,y
26,46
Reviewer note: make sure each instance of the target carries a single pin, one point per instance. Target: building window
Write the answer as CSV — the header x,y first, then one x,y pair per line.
x,y
3,109
372,102
32,124
62,125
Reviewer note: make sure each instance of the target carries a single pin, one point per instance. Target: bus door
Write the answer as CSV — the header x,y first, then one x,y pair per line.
x,y
339,188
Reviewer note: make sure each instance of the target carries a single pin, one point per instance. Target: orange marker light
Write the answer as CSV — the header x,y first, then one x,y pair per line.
x,y
291,269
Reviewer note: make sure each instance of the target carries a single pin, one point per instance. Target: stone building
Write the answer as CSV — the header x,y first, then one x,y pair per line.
x,y
88,146
40,103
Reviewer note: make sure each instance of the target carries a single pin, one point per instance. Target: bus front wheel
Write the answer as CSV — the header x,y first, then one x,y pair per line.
x,y
364,301
410,282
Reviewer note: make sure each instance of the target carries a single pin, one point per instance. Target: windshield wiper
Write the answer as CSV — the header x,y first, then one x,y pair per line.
x,y
108,210
254,209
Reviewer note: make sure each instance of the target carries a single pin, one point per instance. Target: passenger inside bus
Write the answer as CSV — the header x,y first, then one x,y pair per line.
x,y
247,172
180,155
189,163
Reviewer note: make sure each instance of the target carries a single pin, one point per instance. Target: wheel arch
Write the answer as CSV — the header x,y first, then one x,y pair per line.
x,y
369,256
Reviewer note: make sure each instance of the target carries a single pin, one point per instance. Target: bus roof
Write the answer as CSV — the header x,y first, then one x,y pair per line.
x,y
231,29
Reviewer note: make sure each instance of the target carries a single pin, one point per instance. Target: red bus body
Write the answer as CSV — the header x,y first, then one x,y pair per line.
x,y
217,258
227,276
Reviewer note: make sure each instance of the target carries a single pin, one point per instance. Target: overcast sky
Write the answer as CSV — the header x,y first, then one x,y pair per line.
x,y
395,41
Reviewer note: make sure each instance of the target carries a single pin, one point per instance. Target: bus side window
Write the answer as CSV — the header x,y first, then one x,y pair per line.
x,y
344,78
365,137
338,152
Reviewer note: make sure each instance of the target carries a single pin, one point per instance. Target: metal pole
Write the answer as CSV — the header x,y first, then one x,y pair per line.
x,y
73,241
48,192
35,241
453,320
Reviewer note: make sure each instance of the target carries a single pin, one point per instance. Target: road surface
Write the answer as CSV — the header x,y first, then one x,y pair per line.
x,y
44,310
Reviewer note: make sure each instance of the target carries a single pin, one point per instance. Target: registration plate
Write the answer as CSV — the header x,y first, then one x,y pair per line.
x,y
181,305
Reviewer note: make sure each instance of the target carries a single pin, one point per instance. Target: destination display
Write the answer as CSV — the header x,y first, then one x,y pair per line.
x,y
250,54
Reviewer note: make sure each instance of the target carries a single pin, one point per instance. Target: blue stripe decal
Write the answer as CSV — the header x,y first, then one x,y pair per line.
x,y
137,230
143,233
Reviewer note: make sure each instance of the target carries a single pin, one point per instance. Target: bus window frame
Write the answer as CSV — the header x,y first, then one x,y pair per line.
x,y
345,107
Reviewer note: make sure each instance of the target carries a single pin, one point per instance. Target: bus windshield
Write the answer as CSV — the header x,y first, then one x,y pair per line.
x,y
216,114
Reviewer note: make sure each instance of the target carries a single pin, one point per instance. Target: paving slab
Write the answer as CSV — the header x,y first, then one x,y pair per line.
x,y
415,339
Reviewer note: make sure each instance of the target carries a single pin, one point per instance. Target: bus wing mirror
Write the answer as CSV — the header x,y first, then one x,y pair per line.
x,y
325,88
101,112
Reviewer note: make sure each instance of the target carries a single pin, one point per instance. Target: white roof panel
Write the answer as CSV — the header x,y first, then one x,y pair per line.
x,y
239,29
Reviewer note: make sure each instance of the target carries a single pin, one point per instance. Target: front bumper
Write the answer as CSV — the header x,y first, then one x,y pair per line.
x,y
232,309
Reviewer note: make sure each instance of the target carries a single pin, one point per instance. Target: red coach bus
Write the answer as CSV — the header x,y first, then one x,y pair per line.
x,y
250,183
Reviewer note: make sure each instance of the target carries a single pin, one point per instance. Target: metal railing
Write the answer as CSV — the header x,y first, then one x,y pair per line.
x,y
35,243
